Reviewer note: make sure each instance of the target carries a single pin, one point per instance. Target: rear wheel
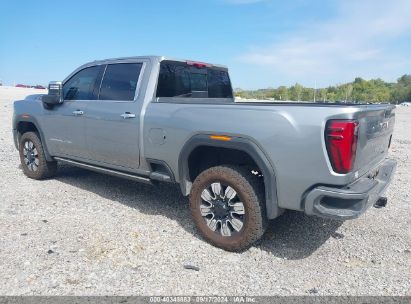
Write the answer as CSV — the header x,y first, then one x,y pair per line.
x,y
227,207
32,158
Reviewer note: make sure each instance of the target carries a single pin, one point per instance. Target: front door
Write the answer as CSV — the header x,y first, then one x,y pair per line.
x,y
65,130
113,121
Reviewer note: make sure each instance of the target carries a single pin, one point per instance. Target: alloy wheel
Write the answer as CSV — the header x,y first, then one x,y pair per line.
x,y
222,209
31,156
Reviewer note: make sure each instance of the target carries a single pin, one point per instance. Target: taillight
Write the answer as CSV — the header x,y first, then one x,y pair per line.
x,y
341,140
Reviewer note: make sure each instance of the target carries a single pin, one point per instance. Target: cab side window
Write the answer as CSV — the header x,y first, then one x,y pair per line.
x,y
179,79
120,81
82,84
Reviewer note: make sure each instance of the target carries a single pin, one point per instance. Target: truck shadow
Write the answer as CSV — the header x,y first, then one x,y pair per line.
x,y
295,235
291,236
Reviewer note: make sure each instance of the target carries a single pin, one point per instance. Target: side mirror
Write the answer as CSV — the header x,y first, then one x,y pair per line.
x,y
54,96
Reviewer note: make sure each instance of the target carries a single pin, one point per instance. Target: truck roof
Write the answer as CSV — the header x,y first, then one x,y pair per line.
x,y
151,57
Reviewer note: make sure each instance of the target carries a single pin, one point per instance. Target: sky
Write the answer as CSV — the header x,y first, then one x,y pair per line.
x,y
265,43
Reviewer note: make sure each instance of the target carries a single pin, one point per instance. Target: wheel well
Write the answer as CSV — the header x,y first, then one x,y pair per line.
x,y
199,154
26,126
204,157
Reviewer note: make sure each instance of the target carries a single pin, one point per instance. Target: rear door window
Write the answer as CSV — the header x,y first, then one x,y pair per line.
x,y
179,79
120,81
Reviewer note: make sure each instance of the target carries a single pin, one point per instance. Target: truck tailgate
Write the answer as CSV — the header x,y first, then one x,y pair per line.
x,y
374,137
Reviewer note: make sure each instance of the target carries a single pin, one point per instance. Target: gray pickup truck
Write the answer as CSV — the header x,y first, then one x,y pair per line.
x,y
155,119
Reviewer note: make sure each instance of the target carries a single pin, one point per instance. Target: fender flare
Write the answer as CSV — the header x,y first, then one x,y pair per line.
x,y
32,120
236,143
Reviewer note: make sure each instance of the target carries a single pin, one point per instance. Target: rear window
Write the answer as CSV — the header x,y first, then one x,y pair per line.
x,y
120,81
179,79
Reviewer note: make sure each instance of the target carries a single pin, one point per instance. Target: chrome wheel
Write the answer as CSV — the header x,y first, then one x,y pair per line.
x,y
31,156
222,209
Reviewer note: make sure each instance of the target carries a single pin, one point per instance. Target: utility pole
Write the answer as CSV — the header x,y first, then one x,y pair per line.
x,y
315,88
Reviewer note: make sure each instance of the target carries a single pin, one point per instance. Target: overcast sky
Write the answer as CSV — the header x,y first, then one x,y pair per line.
x,y
263,42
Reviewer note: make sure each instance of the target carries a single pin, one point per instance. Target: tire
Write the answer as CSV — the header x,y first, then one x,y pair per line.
x,y
231,221
32,158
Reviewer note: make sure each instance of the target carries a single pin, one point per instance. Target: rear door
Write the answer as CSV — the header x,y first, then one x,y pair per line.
x,y
65,130
113,120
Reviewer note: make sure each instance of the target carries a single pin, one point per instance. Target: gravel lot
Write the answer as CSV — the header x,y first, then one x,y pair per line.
x,y
88,234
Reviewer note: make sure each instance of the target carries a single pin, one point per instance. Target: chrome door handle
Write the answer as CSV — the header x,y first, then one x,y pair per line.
x,y
128,115
78,112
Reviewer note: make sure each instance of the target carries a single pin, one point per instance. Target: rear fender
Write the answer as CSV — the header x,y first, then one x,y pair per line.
x,y
236,143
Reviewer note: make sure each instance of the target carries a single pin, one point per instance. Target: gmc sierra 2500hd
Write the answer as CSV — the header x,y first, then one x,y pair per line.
x,y
158,119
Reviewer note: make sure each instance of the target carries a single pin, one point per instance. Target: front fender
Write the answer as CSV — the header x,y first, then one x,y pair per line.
x,y
30,119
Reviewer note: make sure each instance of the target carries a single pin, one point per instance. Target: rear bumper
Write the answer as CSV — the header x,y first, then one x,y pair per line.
x,y
352,200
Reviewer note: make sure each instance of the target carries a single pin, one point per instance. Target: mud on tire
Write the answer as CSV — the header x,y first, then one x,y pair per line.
x,y
231,221
32,158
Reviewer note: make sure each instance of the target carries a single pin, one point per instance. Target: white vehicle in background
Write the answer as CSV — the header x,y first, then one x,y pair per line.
x,y
405,104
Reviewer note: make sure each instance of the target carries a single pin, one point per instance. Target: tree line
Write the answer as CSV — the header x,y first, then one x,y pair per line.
x,y
358,91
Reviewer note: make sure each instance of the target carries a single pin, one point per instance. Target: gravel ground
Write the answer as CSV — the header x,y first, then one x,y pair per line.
x,y
88,234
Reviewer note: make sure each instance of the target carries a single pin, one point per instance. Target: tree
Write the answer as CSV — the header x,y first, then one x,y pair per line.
x,y
282,92
348,91
401,91
322,95
295,92
360,90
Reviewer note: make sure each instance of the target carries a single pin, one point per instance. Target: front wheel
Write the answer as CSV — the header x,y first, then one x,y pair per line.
x,y
226,203
32,158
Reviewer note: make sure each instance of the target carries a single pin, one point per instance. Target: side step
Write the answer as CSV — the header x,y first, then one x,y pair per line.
x,y
162,177
105,170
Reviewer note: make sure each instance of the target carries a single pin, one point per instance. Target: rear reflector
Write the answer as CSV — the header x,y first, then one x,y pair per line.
x,y
341,140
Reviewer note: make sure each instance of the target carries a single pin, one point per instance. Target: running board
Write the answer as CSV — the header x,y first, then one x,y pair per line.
x,y
105,170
